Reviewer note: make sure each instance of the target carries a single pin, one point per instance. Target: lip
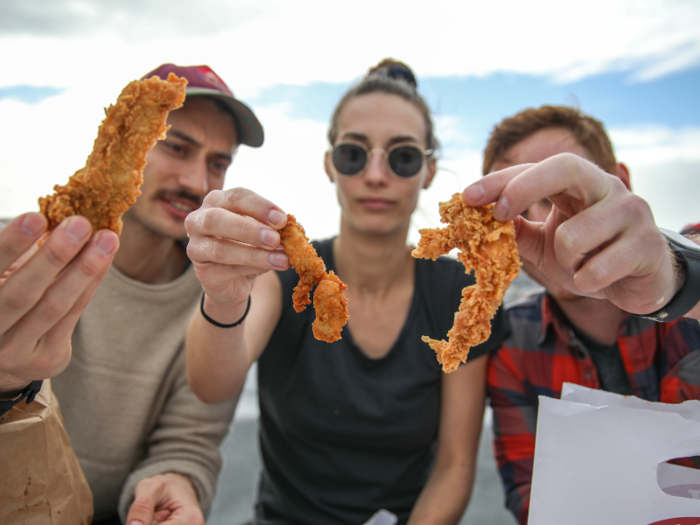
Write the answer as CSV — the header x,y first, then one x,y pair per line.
x,y
375,203
178,207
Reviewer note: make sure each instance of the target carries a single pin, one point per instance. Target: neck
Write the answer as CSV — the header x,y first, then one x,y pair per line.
x,y
372,264
598,318
148,257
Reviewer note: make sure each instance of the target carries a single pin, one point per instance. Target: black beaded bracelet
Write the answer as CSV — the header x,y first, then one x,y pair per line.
x,y
29,393
217,323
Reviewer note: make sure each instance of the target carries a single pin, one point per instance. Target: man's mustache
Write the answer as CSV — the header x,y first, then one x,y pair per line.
x,y
180,194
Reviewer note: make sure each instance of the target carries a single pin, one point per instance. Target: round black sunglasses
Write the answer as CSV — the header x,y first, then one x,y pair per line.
x,y
404,160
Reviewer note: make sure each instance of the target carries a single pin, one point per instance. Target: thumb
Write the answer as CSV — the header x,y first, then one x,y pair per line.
x,y
530,239
145,499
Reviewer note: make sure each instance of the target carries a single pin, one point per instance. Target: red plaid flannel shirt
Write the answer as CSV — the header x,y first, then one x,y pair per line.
x,y
541,352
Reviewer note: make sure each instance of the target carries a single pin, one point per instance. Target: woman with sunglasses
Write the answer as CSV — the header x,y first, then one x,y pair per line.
x,y
368,422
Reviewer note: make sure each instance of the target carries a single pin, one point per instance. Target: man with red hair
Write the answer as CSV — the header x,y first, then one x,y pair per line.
x,y
559,335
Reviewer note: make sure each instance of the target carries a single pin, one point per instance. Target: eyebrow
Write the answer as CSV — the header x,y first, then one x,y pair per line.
x,y
191,140
394,140
184,136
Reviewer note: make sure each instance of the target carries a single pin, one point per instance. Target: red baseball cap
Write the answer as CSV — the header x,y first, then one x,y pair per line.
x,y
203,81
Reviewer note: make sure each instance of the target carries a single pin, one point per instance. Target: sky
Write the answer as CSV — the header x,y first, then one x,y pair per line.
x,y
635,65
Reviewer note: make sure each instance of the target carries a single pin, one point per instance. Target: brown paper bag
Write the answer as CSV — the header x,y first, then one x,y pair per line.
x,y
41,482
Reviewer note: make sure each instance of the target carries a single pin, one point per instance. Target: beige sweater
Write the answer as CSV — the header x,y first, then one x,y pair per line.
x,y
127,406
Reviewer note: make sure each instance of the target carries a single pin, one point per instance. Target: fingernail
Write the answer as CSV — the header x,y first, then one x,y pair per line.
x,y
135,522
502,208
475,192
77,229
269,238
32,225
278,259
277,217
106,243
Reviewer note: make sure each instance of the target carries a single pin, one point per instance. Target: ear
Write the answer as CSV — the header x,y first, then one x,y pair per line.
x,y
328,166
623,174
432,170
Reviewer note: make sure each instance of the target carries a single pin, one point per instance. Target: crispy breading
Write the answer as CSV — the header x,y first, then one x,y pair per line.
x,y
488,248
331,308
304,259
109,183
329,301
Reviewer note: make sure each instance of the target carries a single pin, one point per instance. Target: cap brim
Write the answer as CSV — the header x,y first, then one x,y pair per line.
x,y
250,130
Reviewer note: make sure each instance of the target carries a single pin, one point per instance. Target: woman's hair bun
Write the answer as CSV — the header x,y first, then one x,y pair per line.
x,y
395,69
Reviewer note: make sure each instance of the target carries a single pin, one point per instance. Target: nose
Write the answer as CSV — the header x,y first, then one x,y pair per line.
x,y
193,177
376,170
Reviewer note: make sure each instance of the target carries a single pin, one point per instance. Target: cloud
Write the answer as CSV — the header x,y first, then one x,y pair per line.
x,y
263,43
671,189
87,17
646,145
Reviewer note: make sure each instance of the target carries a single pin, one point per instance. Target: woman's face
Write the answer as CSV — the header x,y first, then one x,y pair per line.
x,y
376,201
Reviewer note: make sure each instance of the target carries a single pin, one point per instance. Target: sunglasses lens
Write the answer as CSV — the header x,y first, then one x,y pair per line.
x,y
349,159
405,161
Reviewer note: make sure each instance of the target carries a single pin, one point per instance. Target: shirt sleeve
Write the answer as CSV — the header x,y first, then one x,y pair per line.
x,y
514,421
681,380
185,440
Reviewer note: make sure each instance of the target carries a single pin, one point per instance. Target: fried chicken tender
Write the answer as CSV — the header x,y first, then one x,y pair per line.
x,y
304,259
331,308
109,183
329,301
488,248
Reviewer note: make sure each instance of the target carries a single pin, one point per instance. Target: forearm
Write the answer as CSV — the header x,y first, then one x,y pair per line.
x,y
217,358
445,496
186,440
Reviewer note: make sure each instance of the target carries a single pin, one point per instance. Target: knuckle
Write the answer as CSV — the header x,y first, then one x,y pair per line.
x,y
235,195
568,162
140,507
218,251
208,200
193,252
13,250
88,267
192,220
55,255
208,220
252,258
15,302
595,276
52,308
247,229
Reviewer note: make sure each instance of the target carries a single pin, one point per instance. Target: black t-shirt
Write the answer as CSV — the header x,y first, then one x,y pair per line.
x,y
343,435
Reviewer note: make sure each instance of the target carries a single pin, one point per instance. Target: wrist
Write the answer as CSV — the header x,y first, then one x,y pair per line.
x,y
28,393
224,315
686,289
11,386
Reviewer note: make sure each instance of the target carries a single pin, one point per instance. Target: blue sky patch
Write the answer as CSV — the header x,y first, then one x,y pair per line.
x,y
480,103
29,94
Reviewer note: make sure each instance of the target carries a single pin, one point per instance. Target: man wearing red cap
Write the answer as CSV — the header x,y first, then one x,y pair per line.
x,y
147,445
